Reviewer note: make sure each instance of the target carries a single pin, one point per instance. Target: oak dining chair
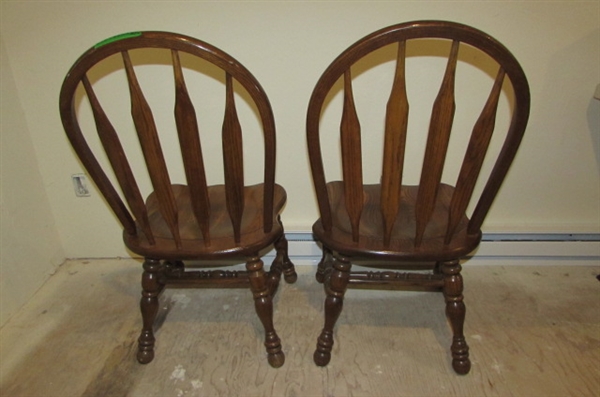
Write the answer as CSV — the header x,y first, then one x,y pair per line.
x,y
188,216
414,231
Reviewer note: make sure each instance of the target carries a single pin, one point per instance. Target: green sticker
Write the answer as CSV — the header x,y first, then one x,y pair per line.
x,y
117,38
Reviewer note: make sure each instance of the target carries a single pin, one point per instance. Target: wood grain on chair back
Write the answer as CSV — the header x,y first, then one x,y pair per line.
x,y
135,210
395,135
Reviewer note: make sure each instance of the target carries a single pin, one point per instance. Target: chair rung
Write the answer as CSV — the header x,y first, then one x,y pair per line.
x,y
395,279
212,278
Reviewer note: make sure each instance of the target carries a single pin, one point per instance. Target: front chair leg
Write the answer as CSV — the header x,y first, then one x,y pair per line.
x,y
263,304
335,287
151,288
455,310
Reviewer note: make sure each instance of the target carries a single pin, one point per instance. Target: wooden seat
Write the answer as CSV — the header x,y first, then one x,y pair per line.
x,y
389,224
401,244
222,240
183,221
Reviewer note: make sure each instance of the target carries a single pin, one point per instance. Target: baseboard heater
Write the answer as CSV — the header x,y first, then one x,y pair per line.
x,y
577,248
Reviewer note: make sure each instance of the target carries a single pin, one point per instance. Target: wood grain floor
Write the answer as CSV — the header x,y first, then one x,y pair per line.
x,y
533,331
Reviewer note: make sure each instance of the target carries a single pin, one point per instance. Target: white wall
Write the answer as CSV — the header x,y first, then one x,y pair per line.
x,y
554,185
30,248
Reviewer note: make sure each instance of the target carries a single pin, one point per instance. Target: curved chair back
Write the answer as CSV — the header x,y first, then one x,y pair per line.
x,y
396,121
132,212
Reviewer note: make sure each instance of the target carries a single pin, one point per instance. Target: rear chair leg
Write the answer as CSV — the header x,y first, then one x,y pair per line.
x,y
263,304
335,287
455,310
289,271
282,264
151,289
324,265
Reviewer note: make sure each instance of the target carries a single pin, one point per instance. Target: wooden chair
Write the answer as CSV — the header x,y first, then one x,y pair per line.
x,y
389,225
195,220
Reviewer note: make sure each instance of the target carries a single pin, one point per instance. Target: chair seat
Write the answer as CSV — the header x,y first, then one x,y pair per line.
x,y
222,243
401,246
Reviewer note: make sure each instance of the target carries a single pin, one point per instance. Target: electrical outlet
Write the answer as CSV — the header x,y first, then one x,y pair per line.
x,y
80,185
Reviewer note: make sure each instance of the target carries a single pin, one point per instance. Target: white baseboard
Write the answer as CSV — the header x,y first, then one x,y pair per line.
x,y
497,248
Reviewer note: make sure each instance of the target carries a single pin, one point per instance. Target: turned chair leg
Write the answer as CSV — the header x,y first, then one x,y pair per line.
x,y
455,310
281,245
151,289
281,264
263,304
324,265
335,287
286,265
289,271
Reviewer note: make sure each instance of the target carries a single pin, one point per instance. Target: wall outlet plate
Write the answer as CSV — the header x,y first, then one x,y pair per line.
x,y
80,185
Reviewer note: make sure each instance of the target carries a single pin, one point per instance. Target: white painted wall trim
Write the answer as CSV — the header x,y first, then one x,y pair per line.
x,y
576,249
521,248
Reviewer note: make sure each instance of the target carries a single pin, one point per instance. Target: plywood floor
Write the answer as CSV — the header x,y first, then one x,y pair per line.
x,y
533,331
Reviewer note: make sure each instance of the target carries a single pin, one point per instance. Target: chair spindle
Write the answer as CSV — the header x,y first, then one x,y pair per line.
x,y
474,156
191,150
394,146
352,157
118,161
233,160
148,137
437,144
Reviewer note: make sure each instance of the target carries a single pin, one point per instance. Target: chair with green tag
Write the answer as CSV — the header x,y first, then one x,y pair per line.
x,y
212,214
